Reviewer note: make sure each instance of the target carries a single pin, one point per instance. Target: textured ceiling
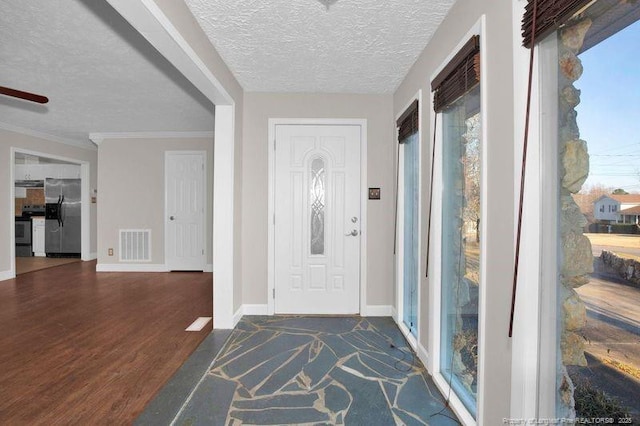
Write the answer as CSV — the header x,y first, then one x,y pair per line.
x,y
354,46
100,75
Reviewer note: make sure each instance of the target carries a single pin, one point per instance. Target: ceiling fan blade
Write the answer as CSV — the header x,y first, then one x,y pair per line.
x,y
23,95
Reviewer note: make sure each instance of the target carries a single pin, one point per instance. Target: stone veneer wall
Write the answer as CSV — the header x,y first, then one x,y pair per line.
x,y
629,269
577,257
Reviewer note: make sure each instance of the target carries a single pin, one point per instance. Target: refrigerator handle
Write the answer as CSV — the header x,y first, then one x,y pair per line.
x,y
58,210
61,212
60,199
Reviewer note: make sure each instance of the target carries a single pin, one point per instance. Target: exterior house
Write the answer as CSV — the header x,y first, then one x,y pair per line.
x,y
630,215
614,208
517,369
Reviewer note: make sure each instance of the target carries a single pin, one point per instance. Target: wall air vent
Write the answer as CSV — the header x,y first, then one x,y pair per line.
x,y
135,245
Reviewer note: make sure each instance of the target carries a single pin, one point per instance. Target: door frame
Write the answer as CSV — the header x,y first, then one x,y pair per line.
x,y
273,122
85,211
203,219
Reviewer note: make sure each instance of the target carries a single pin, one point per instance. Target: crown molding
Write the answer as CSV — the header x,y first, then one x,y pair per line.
x,y
98,138
40,135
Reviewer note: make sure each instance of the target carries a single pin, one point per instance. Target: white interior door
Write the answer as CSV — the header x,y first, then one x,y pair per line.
x,y
317,219
185,211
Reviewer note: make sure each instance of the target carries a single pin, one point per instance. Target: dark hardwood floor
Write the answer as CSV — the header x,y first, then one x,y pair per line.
x,y
77,347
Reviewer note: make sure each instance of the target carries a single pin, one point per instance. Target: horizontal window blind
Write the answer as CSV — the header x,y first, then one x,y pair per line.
x,y
408,122
550,14
459,76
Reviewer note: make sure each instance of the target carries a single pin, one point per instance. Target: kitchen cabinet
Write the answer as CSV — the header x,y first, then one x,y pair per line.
x,y
37,236
43,171
29,171
21,172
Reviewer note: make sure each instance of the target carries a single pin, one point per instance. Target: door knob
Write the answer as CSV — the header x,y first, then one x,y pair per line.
x,y
172,218
353,233
354,219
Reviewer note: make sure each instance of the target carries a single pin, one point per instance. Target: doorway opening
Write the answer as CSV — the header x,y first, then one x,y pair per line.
x,y
38,241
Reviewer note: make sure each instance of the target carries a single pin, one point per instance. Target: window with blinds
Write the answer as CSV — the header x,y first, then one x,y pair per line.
x,y
548,16
456,91
459,76
408,123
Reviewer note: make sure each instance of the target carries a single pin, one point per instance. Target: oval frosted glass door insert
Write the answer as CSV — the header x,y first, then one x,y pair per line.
x,y
317,204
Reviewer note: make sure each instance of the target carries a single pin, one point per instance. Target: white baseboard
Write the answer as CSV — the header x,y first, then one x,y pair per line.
x,y
263,309
131,267
377,311
208,268
423,355
394,314
237,316
413,342
249,310
91,256
255,309
455,403
7,275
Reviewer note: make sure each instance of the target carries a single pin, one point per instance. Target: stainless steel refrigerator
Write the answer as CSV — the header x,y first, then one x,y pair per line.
x,y
62,217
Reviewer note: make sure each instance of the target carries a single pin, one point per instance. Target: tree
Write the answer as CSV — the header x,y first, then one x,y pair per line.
x,y
619,191
471,164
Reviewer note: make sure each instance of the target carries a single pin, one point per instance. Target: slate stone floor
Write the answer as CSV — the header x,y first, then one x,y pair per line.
x,y
282,370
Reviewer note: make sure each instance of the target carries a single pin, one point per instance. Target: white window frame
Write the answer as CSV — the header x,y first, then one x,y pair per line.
x,y
435,269
399,306
548,128
534,341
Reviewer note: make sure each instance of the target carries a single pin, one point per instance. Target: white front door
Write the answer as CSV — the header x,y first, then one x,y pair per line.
x,y
184,214
317,219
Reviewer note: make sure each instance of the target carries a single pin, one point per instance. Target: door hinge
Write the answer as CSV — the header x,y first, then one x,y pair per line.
x,y
274,145
202,251
274,218
274,293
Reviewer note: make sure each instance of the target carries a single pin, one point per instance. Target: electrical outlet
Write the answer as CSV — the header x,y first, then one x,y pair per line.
x,y
110,252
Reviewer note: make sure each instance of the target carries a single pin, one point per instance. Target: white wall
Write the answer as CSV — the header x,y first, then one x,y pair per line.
x,y
131,191
499,145
183,20
9,139
377,109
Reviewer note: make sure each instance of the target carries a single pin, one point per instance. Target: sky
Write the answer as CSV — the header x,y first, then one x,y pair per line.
x,y
609,110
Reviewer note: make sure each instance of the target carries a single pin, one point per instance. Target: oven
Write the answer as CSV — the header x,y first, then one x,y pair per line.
x,y
23,237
